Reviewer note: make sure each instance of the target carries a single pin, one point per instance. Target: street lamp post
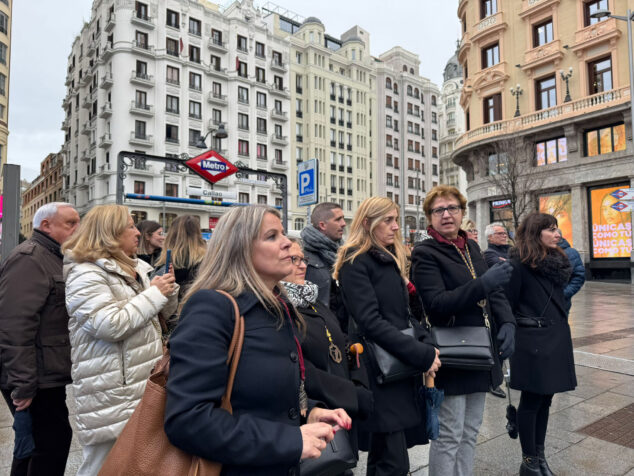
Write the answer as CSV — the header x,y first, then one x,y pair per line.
x,y
566,77
517,92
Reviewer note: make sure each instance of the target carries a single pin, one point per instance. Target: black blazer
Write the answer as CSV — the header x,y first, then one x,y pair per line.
x,y
377,300
262,437
543,360
450,295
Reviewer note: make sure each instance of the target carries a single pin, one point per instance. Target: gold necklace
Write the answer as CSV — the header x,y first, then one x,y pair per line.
x,y
333,350
466,257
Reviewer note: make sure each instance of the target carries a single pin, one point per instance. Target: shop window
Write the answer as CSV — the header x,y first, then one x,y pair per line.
x,y
604,140
501,211
559,205
610,227
551,151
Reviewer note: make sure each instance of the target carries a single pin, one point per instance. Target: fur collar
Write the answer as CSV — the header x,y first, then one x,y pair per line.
x,y
555,266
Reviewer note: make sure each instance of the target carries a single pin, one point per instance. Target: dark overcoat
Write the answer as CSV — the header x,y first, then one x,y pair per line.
x,y
450,296
262,437
377,301
543,361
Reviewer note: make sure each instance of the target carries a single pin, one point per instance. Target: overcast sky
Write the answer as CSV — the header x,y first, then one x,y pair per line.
x,y
43,34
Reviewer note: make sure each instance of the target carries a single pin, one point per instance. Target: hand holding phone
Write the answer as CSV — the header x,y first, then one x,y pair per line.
x,y
168,260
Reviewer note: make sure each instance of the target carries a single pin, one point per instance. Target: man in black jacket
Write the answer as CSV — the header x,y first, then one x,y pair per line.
x,y
34,342
498,244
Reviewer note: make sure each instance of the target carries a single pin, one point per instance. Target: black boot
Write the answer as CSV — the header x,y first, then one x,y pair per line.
x,y
543,464
530,466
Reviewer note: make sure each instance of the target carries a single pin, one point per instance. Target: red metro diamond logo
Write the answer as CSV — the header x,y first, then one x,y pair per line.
x,y
618,194
211,166
619,206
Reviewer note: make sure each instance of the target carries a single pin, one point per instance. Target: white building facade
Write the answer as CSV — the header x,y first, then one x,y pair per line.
x,y
152,77
408,134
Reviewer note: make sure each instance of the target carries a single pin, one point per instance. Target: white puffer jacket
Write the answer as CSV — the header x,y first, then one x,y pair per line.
x,y
115,339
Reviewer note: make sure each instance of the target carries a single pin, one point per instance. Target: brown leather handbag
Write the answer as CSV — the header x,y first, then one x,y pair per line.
x,y
143,447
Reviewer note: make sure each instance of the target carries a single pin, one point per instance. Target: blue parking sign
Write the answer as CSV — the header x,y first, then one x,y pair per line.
x,y
307,173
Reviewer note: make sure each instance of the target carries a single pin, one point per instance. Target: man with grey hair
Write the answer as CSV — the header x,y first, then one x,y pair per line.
x,y
34,340
321,240
498,243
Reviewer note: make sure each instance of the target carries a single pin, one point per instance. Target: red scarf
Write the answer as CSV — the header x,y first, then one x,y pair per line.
x,y
460,241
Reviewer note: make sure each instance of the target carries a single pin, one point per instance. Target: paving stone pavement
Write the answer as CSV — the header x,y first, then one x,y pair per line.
x,y
605,373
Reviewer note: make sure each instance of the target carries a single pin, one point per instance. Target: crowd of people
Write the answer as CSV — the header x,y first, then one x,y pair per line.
x,y
95,304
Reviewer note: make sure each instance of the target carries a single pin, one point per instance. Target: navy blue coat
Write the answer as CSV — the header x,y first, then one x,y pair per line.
x,y
578,276
262,437
377,300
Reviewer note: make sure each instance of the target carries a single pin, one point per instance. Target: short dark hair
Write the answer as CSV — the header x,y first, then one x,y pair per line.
x,y
323,212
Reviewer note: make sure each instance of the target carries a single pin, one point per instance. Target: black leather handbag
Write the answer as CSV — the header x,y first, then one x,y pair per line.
x,y
464,347
389,368
336,458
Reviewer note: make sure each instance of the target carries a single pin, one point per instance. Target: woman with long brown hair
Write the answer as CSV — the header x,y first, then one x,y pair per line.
x,y
371,269
543,363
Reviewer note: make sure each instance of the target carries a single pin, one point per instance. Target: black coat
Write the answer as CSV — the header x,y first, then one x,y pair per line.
x,y
495,254
542,362
450,295
262,437
376,298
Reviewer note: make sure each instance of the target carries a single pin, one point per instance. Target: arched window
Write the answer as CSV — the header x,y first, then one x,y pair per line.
x,y
411,71
409,90
416,93
405,68
388,83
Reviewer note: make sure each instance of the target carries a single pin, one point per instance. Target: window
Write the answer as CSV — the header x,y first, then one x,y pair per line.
x,y
433,100
241,67
172,75
140,99
551,151
545,93
141,40
277,58
600,75
497,164
194,135
171,104
171,46
194,54
278,131
278,106
243,95
591,7
261,151
141,70
243,197
172,19
216,115
138,216
488,7
215,62
139,187
140,10
3,53
434,152
243,121
217,89
492,108
260,75
278,81
259,49
171,134
543,33
605,140
434,134
195,81
139,129
490,56
261,125
195,109
194,26
243,147
171,190
278,156
216,37
260,100
242,44
434,118
262,200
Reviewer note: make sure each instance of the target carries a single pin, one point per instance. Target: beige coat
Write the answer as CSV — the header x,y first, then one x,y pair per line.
x,y
115,339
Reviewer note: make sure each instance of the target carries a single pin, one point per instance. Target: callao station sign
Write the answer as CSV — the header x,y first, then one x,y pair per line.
x,y
211,166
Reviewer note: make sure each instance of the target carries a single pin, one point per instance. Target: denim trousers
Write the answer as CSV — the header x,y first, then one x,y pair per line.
x,y
94,458
460,417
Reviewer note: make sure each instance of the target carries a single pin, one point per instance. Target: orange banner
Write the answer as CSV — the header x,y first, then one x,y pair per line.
x,y
611,229
559,205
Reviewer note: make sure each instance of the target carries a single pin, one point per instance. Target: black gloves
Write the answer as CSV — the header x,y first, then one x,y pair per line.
x,y
497,275
506,340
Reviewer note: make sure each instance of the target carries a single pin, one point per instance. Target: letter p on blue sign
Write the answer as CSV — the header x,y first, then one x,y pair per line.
x,y
307,181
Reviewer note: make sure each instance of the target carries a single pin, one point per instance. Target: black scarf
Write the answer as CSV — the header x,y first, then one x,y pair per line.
x,y
316,242
555,266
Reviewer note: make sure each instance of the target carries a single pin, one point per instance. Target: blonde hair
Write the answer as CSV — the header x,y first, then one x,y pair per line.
x,y
468,224
228,262
185,241
98,237
371,211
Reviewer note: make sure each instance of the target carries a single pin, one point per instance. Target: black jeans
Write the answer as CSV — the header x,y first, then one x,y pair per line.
x,y
532,421
51,433
388,454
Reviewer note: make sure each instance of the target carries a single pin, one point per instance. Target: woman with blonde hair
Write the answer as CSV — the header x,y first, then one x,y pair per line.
x,y
274,425
115,335
188,248
370,268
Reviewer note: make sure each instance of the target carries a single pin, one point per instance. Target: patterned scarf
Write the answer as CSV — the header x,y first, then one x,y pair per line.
x,y
301,295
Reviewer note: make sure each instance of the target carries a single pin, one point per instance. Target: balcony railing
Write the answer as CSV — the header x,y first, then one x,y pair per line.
x,y
557,113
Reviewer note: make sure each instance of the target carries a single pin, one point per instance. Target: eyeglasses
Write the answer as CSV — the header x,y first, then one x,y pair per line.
x,y
296,260
472,230
501,233
452,209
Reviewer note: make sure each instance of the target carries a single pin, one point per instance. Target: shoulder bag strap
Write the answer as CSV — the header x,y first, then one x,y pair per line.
x,y
235,349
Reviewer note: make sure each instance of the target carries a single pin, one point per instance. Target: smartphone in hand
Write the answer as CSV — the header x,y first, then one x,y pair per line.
x,y
168,260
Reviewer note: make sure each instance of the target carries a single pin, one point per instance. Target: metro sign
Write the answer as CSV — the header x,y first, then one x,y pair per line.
x,y
211,166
